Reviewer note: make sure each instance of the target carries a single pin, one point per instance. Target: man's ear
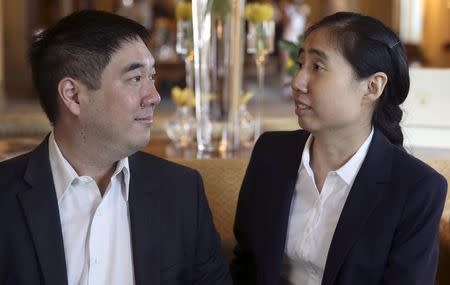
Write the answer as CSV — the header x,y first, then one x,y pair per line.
x,y
375,85
68,90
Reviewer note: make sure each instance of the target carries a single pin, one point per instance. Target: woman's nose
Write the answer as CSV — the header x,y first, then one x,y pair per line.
x,y
300,81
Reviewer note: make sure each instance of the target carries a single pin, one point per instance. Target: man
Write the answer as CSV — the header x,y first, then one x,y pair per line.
x,y
85,207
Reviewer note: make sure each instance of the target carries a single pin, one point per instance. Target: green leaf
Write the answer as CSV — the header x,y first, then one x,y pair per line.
x,y
221,8
287,45
292,70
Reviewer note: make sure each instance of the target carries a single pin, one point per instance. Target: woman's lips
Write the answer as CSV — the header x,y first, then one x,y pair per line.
x,y
300,106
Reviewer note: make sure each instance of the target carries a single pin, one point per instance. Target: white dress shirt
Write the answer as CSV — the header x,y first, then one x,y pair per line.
x,y
95,229
314,216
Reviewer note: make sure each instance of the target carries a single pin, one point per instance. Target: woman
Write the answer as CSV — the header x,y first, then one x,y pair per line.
x,y
341,201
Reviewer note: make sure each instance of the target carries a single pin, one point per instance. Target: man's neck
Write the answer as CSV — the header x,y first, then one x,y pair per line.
x,y
86,163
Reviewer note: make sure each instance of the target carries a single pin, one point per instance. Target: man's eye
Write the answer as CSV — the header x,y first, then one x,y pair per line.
x,y
152,77
136,79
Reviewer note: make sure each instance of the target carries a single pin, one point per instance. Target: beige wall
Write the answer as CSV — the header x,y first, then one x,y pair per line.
x,y
380,9
384,10
16,38
437,33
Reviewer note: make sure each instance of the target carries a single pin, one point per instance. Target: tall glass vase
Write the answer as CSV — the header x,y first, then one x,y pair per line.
x,y
260,43
218,47
184,47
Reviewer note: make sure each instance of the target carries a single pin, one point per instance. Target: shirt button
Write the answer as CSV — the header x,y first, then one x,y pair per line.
x,y
96,261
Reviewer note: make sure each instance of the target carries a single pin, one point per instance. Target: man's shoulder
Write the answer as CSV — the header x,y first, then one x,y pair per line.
x,y
10,167
12,173
142,160
172,180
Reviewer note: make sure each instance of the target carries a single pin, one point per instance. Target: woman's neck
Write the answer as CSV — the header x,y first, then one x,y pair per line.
x,y
330,151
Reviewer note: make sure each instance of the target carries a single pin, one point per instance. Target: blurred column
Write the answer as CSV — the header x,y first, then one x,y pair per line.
x,y
66,7
411,21
105,5
17,36
2,56
436,36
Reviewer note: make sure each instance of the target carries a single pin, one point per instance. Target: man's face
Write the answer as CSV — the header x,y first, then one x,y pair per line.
x,y
119,114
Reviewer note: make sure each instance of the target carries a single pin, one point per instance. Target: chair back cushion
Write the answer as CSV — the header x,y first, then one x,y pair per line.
x,y
222,180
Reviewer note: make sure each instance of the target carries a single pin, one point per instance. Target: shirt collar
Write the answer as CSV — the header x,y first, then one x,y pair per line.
x,y
124,168
306,157
64,174
346,172
350,169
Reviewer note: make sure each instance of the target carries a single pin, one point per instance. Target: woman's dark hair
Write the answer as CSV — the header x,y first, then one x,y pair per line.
x,y
78,46
370,46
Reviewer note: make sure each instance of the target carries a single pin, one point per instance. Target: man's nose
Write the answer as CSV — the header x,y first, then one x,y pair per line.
x,y
151,96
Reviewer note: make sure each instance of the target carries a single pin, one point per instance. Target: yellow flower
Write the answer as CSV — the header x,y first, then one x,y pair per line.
x,y
244,99
183,11
258,12
182,97
289,63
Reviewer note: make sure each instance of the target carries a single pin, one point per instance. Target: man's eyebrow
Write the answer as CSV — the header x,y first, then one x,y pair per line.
x,y
132,66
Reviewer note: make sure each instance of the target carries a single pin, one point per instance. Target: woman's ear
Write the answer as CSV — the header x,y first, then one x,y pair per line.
x,y
375,85
68,90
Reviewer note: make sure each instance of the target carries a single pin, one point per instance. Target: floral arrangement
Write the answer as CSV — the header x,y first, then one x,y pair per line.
x,y
221,8
182,96
246,98
292,48
185,97
258,12
183,11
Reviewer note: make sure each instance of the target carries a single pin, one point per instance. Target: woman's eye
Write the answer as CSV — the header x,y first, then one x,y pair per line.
x,y
318,67
299,64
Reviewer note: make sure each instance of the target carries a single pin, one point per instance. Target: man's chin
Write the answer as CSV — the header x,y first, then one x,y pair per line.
x,y
136,145
143,142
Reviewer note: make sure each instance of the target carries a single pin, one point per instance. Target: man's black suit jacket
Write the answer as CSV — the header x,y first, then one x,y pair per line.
x,y
173,237
388,231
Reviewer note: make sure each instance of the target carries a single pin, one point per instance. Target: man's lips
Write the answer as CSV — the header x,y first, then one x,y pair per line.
x,y
146,119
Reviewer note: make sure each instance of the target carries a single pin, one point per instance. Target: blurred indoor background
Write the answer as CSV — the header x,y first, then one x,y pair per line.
x,y
423,25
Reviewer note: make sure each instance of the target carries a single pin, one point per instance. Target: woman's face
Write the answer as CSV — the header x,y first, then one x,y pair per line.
x,y
328,96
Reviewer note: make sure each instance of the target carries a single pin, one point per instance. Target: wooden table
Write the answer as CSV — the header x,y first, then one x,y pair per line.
x,y
159,145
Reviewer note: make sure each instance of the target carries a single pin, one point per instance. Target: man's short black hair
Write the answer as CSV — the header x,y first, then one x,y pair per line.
x,y
79,46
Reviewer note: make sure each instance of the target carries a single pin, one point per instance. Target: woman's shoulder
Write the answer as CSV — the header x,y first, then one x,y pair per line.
x,y
415,170
284,136
399,161
405,161
280,145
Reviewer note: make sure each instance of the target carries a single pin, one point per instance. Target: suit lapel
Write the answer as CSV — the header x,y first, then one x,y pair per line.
x,y
40,207
145,221
285,179
364,195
